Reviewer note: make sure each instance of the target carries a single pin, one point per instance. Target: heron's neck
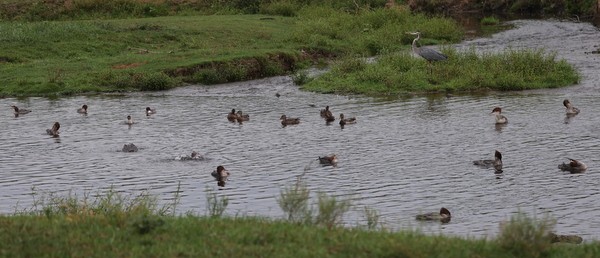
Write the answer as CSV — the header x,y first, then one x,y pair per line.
x,y
414,44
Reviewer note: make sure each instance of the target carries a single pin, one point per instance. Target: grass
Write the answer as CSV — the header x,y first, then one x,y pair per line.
x,y
65,57
70,55
468,71
489,20
112,225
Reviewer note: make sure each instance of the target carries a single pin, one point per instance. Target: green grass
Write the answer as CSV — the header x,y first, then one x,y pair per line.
x,y
67,57
489,20
401,73
113,225
158,53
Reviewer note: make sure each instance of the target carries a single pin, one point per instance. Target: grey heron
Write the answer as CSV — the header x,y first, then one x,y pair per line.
x,y
427,53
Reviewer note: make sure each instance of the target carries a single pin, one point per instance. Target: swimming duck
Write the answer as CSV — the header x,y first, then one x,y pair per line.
x,y
329,160
575,166
129,120
232,117
500,119
344,121
571,110
289,121
242,117
487,163
195,156
150,111
82,110
129,148
54,130
20,111
220,175
443,216
325,112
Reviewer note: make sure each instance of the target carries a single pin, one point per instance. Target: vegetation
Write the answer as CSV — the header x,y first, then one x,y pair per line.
x,y
490,20
113,225
468,71
67,53
158,53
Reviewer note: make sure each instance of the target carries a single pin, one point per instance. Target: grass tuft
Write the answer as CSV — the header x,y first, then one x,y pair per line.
x,y
524,236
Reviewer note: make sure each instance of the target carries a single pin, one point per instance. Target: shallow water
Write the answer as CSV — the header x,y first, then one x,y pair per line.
x,y
403,157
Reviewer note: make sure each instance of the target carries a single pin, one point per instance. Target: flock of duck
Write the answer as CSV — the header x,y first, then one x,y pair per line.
x,y
573,166
221,174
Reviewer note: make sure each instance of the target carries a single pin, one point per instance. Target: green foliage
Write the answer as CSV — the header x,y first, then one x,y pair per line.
x,y
216,205
112,225
489,20
526,237
330,210
293,201
372,217
401,73
301,77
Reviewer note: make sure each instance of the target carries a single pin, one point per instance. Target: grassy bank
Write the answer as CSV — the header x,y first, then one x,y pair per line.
x,y
79,56
113,225
401,73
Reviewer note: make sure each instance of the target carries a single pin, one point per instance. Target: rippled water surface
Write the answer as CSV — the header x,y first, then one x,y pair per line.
x,y
403,157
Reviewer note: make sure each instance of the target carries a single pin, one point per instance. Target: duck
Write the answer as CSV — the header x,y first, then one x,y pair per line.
x,y
129,120
571,110
232,117
82,110
129,148
194,156
242,117
220,175
329,160
325,112
500,119
574,166
344,121
289,121
150,111
496,163
20,111
54,130
443,216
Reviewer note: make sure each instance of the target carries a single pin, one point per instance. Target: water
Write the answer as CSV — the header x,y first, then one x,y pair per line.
x,y
403,157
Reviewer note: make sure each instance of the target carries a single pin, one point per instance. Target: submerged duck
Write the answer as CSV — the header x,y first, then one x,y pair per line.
x,y
496,163
54,130
232,117
571,110
129,120
329,160
500,119
289,121
195,156
443,216
220,175
344,121
150,111
82,110
575,166
571,239
20,111
129,148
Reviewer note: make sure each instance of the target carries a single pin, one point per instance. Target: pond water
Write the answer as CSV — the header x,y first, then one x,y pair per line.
x,y
403,156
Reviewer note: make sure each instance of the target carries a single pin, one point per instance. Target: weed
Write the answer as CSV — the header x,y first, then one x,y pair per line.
x,y
330,210
526,237
216,205
372,217
294,202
